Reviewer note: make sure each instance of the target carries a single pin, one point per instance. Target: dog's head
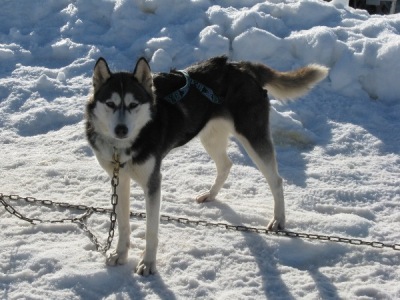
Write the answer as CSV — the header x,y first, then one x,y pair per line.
x,y
122,102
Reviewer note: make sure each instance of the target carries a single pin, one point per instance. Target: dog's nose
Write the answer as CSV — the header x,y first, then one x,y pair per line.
x,y
121,131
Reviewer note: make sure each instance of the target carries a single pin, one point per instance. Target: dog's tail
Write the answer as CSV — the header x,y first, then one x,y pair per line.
x,y
288,85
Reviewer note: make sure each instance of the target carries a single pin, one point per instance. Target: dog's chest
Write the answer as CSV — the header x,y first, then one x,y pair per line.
x,y
105,151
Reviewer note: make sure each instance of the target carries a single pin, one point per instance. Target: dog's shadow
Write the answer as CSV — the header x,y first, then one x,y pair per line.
x,y
273,284
117,282
269,261
132,284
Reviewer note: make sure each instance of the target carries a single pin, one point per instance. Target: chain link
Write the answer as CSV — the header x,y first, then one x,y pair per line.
x,y
290,234
166,218
81,220
114,202
36,221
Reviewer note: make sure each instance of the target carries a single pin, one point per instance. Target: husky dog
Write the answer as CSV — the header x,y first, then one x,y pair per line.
x,y
129,113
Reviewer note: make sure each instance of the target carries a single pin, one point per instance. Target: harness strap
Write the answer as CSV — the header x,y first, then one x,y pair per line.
x,y
179,94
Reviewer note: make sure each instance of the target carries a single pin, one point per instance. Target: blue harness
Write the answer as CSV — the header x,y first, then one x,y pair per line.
x,y
179,94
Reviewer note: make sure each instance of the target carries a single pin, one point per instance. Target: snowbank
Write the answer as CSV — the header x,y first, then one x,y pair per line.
x,y
338,151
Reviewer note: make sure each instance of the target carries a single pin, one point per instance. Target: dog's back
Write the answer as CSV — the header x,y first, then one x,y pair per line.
x,y
218,73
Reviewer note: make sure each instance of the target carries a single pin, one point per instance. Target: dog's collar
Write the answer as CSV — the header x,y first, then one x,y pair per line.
x,y
179,94
116,158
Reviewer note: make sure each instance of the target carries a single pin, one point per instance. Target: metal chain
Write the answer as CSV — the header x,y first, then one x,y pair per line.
x,y
81,220
114,202
36,221
290,234
167,218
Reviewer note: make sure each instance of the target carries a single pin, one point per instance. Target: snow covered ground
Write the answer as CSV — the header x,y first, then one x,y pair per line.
x,y
338,150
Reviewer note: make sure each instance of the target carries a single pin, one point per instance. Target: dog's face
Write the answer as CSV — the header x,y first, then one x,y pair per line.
x,y
122,103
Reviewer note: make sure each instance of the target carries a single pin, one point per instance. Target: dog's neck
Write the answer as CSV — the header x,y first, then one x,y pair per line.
x,y
108,147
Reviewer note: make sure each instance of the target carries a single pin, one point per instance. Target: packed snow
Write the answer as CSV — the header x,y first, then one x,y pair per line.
x,y
338,150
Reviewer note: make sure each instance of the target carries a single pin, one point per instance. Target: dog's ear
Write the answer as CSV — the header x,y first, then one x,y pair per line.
x,y
143,74
101,73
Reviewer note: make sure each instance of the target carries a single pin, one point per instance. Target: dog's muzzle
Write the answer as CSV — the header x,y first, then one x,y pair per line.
x,y
121,131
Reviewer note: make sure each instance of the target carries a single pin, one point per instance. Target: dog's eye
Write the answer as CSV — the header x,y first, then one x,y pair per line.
x,y
132,105
111,105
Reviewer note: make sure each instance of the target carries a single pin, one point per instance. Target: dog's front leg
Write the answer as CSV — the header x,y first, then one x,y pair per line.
x,y
147,265
120,255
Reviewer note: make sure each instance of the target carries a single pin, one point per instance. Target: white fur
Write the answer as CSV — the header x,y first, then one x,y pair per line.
x,y
106,119
140,173
282,86
129,98
269,168
115,98
214,138
137,119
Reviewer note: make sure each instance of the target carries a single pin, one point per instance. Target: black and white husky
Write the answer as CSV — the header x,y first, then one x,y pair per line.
x,y
132,114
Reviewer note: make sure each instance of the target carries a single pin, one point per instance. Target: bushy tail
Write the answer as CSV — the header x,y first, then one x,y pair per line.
x,y
288,85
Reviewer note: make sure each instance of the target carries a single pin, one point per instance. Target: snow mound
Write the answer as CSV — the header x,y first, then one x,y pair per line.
x,y
337,149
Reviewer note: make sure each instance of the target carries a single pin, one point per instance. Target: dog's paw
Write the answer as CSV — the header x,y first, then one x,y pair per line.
x,y
146,268
276,224
206,197
115,258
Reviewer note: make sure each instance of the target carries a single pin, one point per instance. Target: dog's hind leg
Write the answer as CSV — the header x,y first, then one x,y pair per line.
x,y
214,138
262,152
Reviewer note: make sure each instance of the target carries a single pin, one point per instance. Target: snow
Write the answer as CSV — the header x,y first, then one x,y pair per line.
x,y
338,152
